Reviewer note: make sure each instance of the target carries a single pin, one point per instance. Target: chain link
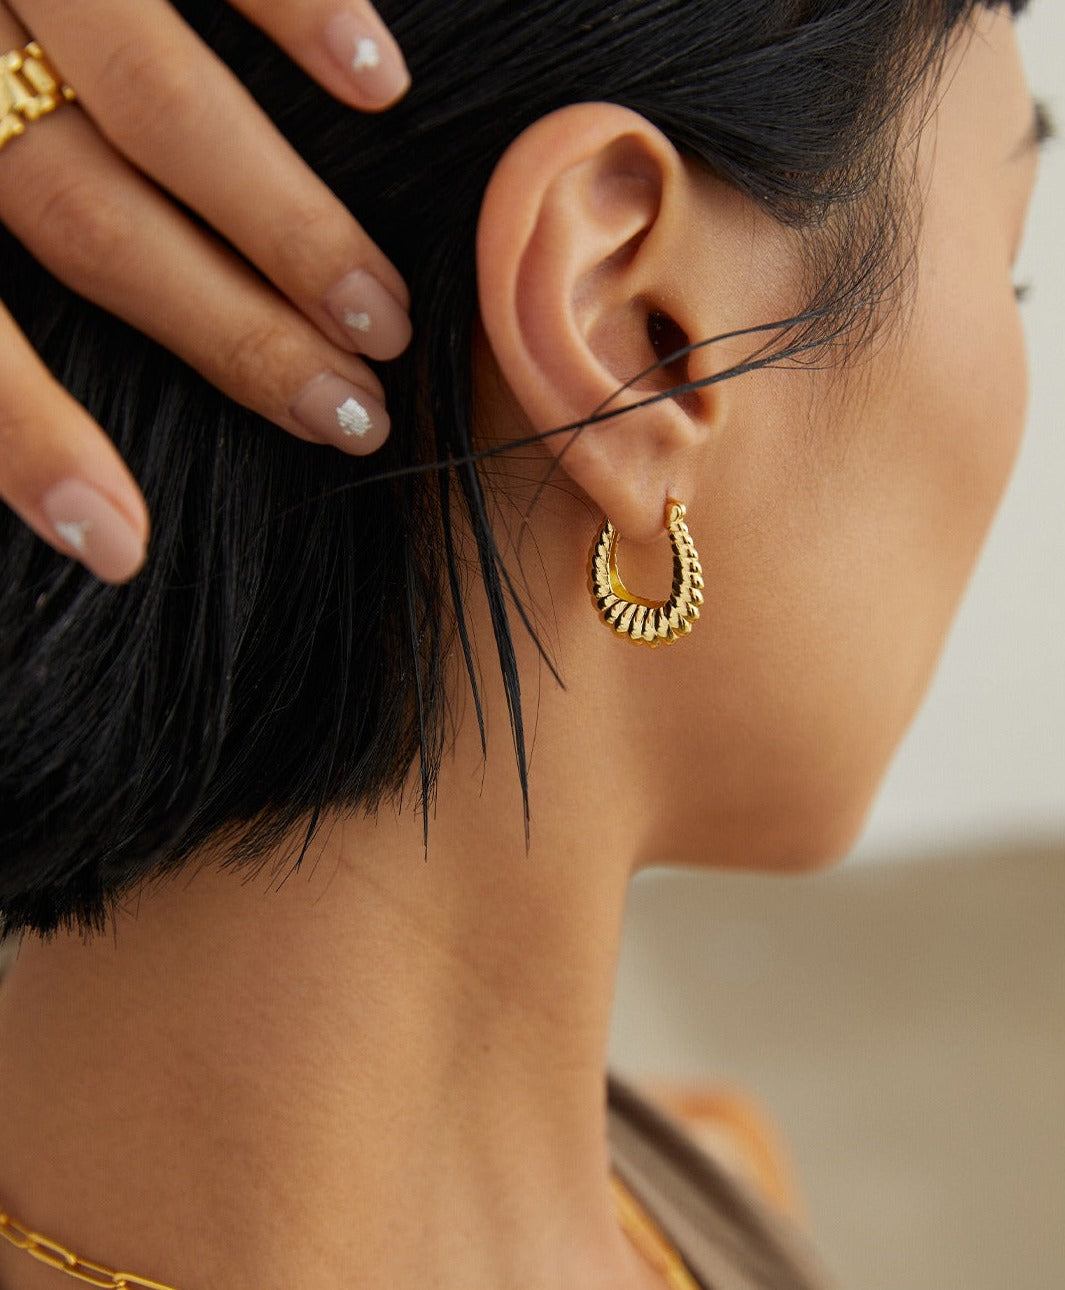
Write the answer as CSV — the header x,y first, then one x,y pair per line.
x,y
57,1256
645,1234
649,1239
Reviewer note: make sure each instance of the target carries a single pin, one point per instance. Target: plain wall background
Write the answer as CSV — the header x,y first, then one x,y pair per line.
x,y
985,760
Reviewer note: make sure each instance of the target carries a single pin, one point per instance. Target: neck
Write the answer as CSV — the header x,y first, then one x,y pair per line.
x,y
382,1068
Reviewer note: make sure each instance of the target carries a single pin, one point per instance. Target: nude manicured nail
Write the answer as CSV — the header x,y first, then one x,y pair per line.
x,y
335,410
93,530
376,322
368,55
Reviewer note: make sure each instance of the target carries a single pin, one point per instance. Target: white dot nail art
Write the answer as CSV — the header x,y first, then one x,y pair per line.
x,y
353,418
357,320
74,534
367,55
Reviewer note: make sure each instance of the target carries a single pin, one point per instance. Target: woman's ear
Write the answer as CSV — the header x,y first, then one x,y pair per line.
x,y
587,279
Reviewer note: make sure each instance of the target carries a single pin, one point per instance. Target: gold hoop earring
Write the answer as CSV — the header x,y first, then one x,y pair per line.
x,y
648,622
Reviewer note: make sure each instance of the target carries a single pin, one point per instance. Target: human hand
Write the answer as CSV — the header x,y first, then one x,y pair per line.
x,y
87,190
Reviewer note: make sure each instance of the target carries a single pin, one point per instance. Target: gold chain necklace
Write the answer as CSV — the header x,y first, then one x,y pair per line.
x,y
45,1250
637,1225
649,1239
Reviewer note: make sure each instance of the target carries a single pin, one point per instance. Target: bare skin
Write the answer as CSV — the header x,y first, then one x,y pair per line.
x,y
389,1072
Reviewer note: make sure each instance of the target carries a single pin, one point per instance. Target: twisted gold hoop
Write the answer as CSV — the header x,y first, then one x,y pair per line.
x,y
648,622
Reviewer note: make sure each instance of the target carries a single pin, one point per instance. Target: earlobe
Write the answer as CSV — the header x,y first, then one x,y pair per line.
x,y
582,243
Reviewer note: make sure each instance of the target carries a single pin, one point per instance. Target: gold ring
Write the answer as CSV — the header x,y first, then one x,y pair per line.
x,y
29,88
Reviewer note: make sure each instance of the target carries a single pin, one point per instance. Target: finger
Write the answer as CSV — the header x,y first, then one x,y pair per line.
x,y
344,46
101,228
60,472
170,106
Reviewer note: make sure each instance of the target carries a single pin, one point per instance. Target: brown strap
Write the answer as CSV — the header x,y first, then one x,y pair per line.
x,y
728,1237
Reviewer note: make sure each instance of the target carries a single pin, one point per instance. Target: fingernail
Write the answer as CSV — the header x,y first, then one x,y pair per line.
x,y
93,530
333,409
377,324
368,55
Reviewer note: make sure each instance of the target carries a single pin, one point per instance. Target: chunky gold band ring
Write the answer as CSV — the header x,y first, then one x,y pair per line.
x,y
29,88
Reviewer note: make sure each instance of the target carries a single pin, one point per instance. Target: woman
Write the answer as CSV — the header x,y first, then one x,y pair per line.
x,y
385,1066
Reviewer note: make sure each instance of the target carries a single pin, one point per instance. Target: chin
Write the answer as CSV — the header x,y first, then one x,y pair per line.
x,y
828,833
814,849
809,839
798,843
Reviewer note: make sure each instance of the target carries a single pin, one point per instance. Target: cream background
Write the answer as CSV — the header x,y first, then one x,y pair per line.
x,y
985,760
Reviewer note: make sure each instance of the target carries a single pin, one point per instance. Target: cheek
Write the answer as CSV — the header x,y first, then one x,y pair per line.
x,y
965,400
965,345
841,568
913,495
845,546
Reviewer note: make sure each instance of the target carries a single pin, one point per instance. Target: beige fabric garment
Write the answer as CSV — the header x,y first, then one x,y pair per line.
x,y
729,1238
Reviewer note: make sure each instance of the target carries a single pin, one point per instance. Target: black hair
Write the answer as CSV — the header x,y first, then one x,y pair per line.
x,y
284,651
